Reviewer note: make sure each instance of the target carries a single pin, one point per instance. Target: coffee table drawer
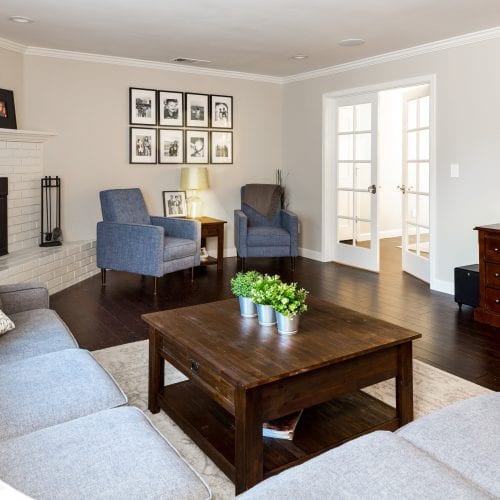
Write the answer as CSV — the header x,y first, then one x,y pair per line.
x,y
220,390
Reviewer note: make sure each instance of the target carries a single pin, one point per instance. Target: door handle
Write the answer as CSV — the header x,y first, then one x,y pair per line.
x,y
372,189
402,188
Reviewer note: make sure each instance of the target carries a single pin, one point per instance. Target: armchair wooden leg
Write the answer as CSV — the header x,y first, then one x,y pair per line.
x,y
103,277
242,263
192,274
293,263
155,285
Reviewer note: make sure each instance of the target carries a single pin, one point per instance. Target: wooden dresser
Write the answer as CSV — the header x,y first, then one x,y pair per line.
x,y
488,310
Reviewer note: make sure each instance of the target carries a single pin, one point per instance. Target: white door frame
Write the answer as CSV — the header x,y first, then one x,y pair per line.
x,y
328,222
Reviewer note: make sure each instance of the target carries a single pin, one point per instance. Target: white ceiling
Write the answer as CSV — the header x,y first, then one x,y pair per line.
x,y
254,36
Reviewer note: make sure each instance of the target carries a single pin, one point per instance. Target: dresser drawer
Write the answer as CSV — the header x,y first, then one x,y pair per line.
x,y
198,372
210,230
492,275
492,299
492,249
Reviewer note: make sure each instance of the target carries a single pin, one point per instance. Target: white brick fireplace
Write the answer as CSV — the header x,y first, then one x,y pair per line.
x,y
21,161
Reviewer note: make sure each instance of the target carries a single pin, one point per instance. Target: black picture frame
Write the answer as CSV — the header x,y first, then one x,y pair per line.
x,y
7,109
195,154
221,147
171,146
170,108
197,110
142,106
142,147
180,205
221,111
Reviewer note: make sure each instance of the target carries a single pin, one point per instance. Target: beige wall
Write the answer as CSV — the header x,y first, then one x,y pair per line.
x,y
86,104
11,78
468,132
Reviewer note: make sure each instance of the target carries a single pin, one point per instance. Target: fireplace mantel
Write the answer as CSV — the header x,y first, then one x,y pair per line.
x,y
34,136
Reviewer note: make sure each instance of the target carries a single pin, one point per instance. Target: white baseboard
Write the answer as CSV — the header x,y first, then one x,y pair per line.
x,y
443,286
230,252
311,254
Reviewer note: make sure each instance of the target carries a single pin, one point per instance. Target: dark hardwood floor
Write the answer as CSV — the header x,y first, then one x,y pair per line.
x,y
451,339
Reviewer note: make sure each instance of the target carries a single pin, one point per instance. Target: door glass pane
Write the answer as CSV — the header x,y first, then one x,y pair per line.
x,y
346,147
411,213
412,146
423,210
346,175
363,235
363,205
345,231
363,146
363,117
411,238
363,177
345,203
423,112
346,119
423,145
423,178
412,177
424,243
412,114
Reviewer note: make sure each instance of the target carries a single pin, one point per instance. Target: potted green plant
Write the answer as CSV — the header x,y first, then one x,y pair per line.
x,y
289,302
262,294
241,286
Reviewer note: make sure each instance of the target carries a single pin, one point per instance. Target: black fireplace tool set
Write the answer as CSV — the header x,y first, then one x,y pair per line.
x,y
51,233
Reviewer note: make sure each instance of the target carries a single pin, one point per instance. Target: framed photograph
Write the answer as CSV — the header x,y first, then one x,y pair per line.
x,y
7,109
221,111
196,110
171,146
222,147
197,146
142,145
171,108
174,204
142,106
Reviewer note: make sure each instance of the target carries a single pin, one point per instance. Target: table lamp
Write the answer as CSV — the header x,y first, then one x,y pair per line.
x,y
194,179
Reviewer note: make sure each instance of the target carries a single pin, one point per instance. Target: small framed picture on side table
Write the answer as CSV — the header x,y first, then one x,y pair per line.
x,y
174,204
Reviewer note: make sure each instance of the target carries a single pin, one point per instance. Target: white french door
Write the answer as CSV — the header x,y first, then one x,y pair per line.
x,y
415,188
356,235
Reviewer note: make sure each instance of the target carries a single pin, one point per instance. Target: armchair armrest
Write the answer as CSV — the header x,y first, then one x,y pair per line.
x,y
290,222
135,248
240,232
180,228
23,297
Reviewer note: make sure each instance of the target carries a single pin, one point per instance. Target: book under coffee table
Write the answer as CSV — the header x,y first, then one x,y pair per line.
x,y
242,374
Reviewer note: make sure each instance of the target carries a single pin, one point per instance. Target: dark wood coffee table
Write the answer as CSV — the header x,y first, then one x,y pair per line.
x,y
241,375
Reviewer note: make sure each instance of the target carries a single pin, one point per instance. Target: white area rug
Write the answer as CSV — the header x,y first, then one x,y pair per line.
x,y
128,363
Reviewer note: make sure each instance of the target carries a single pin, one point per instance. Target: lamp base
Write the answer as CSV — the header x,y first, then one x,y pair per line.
x,y
194,207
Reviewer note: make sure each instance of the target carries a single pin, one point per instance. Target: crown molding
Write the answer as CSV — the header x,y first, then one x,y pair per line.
x,y
12,46
140,63
426,48
16,135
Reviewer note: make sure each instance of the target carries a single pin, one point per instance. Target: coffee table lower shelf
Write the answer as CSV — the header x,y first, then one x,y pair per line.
x,y
320,427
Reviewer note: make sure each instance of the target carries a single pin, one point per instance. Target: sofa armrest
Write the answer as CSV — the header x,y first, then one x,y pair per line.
x,y
135,248
240,232
23,297
290,222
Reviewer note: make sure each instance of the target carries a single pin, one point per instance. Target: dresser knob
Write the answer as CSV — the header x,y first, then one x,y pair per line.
x,y
195,366
497,301
497,275
496,249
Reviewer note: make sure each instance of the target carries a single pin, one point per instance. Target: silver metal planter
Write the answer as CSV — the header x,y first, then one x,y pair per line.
x,y
267,316
247,307
287,325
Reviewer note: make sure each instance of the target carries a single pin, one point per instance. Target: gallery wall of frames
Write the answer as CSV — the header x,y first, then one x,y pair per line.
x,y
171,127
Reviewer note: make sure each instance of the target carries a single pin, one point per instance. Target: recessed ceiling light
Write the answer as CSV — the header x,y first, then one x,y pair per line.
x,y
297,57
351,42
21,19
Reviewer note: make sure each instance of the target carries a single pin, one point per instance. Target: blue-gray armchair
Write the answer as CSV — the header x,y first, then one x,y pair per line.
x,y
128,239
262,228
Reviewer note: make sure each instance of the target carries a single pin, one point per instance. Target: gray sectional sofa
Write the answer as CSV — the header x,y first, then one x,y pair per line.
x,y
453,453
65,428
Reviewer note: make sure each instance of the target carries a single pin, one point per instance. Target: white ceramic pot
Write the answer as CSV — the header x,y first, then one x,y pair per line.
x,y
287,325
266,314
247,307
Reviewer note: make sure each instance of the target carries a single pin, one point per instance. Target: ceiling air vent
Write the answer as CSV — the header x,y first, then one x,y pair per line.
x,y
190,60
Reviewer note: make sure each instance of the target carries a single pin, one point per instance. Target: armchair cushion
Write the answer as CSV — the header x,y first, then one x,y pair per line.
x,y
267,236
178,248
124,205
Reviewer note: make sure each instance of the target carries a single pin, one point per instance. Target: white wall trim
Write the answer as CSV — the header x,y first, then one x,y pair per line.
x,y
448,43
13,46
443,286
311,254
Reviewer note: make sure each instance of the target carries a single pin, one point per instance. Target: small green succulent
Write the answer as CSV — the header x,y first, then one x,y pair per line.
x,y
242,282
288,299
263,289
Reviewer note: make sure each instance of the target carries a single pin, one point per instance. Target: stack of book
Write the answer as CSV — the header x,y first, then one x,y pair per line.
x,y
283,427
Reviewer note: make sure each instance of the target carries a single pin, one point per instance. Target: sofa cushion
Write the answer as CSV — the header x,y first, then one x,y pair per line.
x,y
6,324
112,454
53,388
178,248
267,236
380,465
465,436
38,331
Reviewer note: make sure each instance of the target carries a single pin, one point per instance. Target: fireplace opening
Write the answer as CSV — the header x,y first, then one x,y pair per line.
x,y
4,191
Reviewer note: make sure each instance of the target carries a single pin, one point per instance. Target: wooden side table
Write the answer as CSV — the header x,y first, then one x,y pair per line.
x,y
213,227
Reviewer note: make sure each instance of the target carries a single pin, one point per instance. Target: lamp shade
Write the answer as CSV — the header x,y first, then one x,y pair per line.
x,y
194,178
